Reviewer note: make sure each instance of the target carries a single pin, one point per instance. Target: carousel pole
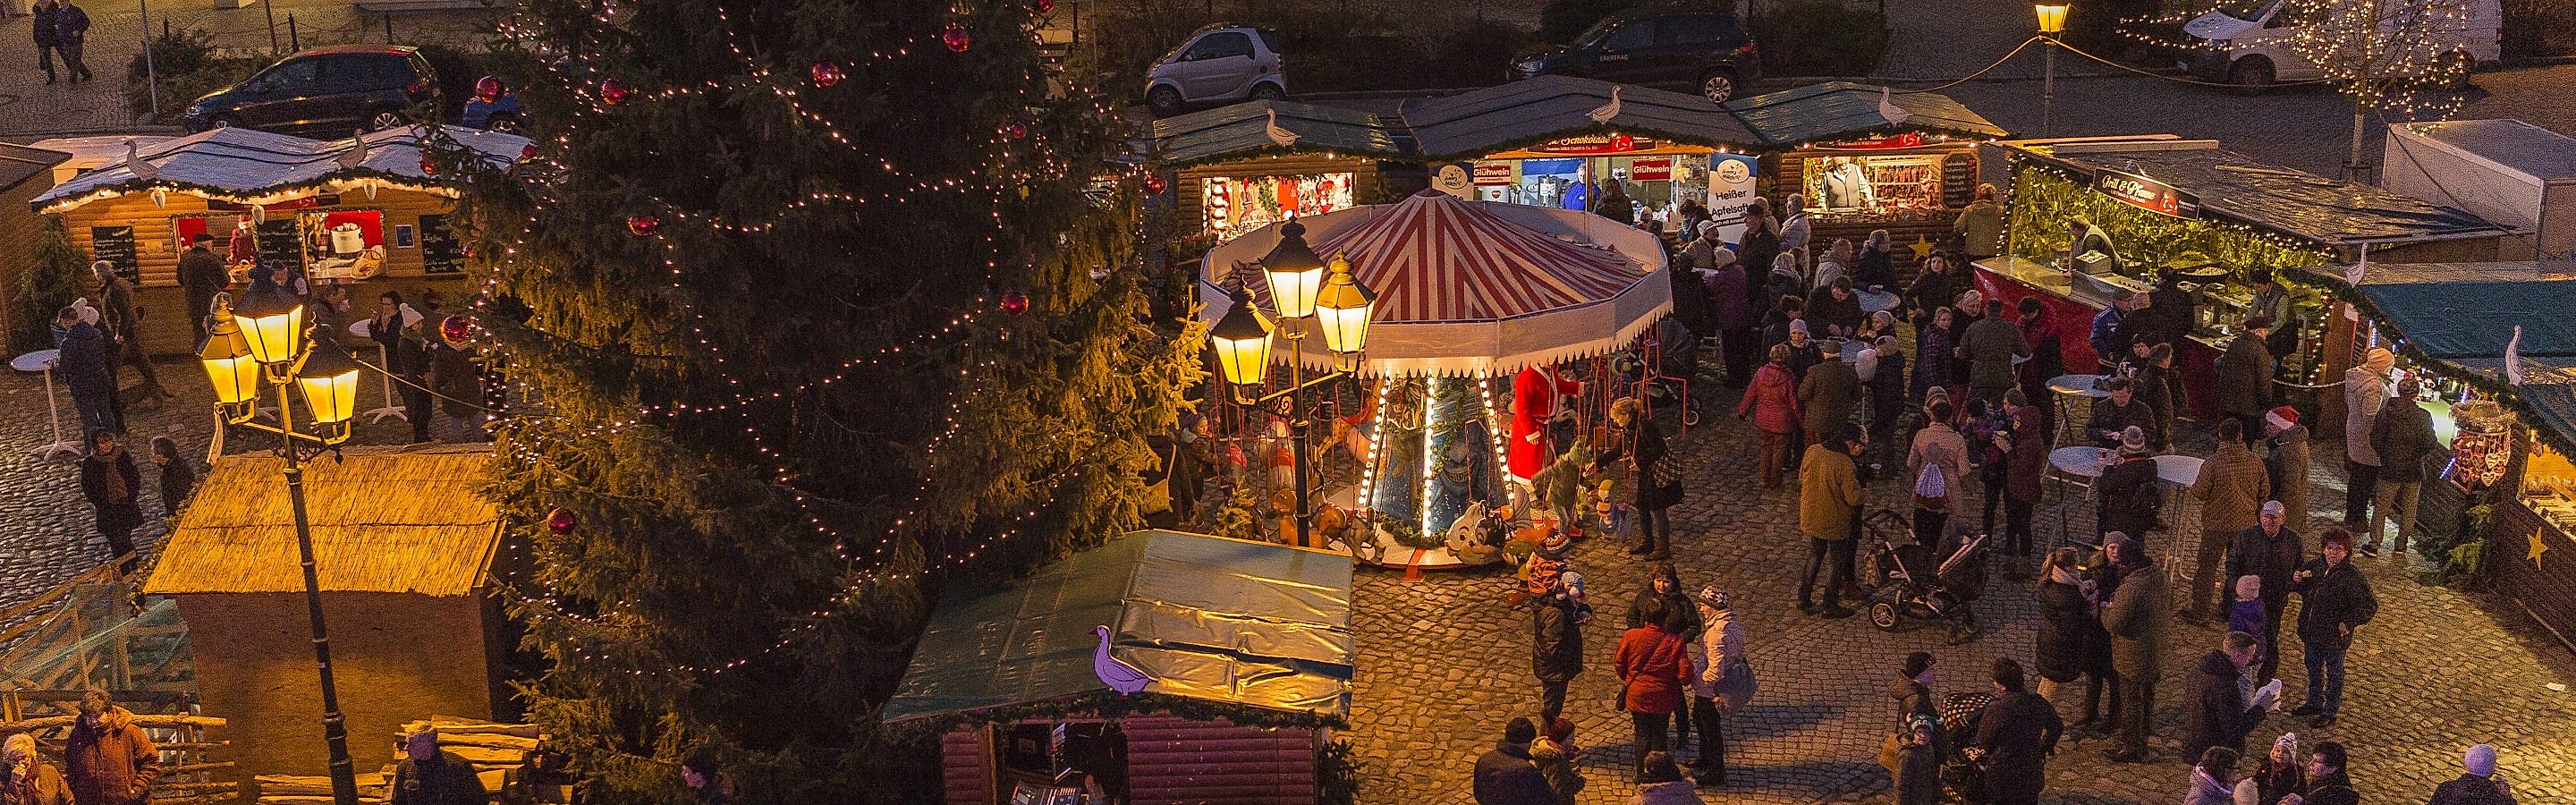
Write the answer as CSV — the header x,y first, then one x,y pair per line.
x,y
1298,424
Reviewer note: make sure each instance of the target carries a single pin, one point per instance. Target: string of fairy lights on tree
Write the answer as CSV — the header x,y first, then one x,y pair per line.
x,y
2399,57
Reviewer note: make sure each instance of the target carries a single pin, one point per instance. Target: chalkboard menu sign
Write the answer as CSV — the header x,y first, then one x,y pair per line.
x,y
280,245
115,244
439,251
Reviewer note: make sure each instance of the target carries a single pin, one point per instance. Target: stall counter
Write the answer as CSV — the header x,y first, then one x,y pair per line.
x,y
2072,309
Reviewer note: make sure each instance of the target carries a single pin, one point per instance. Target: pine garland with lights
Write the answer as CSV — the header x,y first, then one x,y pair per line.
x,y
755,280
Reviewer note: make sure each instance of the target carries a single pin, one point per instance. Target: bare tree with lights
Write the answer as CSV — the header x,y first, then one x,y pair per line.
x,y
2392,57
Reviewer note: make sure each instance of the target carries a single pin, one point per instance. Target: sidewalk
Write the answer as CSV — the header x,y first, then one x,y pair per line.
x,y
29,108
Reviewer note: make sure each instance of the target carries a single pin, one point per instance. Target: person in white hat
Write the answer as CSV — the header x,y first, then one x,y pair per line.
x,y
2479,785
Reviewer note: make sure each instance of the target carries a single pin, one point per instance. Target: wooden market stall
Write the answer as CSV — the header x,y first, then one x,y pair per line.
x,y
406,551
2213,218
1183,668
24,173
1242,167
1552,141
1867,158
361,210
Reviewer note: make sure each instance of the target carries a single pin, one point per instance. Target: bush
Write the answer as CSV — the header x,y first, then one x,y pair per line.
x,y
1819,37
186,64
46,287
2539,28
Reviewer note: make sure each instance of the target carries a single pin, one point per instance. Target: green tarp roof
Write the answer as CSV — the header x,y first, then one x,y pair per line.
x,y
1838,110
1238,624
1550,107
1242,131
2302,205
2459,316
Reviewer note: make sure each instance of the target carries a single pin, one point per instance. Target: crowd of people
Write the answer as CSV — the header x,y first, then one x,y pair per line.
x,y
1967,396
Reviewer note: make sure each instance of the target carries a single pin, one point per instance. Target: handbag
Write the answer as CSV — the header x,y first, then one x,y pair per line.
x,y
1735,686
1890,754
1158,495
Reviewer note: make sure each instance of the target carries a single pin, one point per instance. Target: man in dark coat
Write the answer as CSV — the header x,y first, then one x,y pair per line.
x,y
2338,599
48,18
1558,647
2135,617
71,31
2477,785
124,322
2119,412
2244,382
2019,731
2173,309
1505,776
108,758
2128,494
114,488
1828,394
2327,782
2219,715
2403,437
2269,551
202,274
429,775
1990,347
82,365
1836,309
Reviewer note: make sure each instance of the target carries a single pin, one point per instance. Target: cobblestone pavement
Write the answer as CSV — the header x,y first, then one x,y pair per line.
x,y
1444,662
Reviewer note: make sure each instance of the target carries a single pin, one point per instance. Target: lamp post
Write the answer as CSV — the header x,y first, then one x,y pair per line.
x,y
2052,22
264,338
1303,289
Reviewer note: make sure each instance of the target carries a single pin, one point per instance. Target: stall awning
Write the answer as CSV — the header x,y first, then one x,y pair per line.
x,y
1842,110
1259,629
382,521
1538,110
1245,131
2306,206
245,165
2458,317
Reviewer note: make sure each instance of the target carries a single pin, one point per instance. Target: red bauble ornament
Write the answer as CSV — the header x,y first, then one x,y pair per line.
x,y
1154,184
1016,130
1015,302
561,520
427,167
1046,6
642,224
455,330
528,151
614,91
955,37
827,74
487,89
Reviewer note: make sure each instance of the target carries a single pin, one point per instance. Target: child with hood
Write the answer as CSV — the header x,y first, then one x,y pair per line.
x,y
1557,756
1918,770
1559,486
2284,772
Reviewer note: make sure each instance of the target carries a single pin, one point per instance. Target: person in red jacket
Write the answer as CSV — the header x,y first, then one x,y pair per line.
x,y
1772,403
1537,393
1654,669
108,758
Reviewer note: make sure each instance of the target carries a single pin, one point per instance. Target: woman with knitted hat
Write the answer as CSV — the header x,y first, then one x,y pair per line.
x,y
2283,772
1721,681
2365,391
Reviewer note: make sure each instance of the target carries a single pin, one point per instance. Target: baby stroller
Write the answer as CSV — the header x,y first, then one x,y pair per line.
x,y
1906,579
1963,772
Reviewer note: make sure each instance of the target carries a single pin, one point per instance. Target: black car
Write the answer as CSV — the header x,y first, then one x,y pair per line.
x,y
325,92
1707,51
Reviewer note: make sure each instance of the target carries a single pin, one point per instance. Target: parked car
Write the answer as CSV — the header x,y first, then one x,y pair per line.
x,y
324,92
1220,64
2247,42
1707,51
492,108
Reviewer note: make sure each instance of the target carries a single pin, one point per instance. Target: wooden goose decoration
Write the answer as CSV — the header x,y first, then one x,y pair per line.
x,y
134,163
1604,112
1887,108
1281,136
356,156
1116,673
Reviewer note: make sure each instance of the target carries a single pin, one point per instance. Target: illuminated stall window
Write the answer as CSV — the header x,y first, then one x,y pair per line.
x,y
1233,205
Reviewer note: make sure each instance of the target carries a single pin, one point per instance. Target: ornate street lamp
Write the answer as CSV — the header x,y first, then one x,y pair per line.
x,y
2052,21
1304,295
266,330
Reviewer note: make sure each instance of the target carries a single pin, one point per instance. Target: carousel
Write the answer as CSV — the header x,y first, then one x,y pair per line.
x,y
1478,373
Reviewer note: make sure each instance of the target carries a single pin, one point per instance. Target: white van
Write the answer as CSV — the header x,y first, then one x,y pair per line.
x,y
2247,42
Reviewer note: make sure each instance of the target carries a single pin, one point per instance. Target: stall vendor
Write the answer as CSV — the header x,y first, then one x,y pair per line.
x,y
2089,238
1537,395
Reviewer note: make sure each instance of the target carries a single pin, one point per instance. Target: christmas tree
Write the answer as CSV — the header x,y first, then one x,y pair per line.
x,y
812,308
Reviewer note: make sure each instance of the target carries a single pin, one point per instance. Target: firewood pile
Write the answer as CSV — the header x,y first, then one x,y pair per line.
x,y
494,749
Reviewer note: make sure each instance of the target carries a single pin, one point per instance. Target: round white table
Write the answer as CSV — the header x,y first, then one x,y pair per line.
x,y
2178,470
2068,389
43,361
1872,302
2081,462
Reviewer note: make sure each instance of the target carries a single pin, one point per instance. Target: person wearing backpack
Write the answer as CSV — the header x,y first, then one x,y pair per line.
x,y
1938,460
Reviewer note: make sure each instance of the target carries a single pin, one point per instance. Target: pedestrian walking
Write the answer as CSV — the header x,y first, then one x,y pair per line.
x,y
1506,775
1654,669
396,329
25,777
2231,490
1557,644
2288,464
1804,351
1829,394
1886,390
71,31
1664,592
2025,448
2220,714
178,477
1917,762
1771,402
1730,303
2336,599
48,36
2365,392
1636,438
2478,783
2403,438
1559,760
1660,783
2284,771
2129,496
2160,387
82,364
1829,498
1935,351
2244,377
2134,619
1991,347
107,758
1912,693
122,321
1722,681
2018,732
1938,462
114,487
2213,778
2071,642
2271,552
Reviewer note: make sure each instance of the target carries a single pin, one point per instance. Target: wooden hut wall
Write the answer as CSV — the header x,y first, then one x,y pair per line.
x,y
1173,761
966,766
1786,174
2546,588
396,657
1188,218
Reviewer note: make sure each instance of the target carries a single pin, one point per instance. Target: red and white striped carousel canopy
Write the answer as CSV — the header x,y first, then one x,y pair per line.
x,y
1471,287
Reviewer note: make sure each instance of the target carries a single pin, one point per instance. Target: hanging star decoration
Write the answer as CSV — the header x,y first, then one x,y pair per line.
x,y
2539,545
1922,247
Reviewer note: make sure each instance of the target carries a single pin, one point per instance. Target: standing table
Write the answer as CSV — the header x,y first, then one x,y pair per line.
x,y
2177,473
393,407
2068,389
2073,468
43,361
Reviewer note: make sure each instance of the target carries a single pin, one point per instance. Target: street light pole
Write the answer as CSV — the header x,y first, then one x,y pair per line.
x,y
2052,22
1298,424
335,730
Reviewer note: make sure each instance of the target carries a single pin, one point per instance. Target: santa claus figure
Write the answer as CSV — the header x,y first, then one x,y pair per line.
x,y
1537,394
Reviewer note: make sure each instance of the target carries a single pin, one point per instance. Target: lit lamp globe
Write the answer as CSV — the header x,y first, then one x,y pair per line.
x,y
1343,309
2052,18
329,380
272,325
226,356
1294,272
1242,341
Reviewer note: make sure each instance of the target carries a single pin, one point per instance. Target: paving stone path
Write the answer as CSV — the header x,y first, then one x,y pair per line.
x,y
1445,661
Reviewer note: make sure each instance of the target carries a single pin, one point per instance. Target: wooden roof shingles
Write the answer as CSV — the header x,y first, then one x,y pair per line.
x,y
1242,131
392,522
1546,108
